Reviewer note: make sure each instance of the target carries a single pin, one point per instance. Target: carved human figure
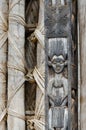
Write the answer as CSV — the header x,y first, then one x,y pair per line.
x,y
58,93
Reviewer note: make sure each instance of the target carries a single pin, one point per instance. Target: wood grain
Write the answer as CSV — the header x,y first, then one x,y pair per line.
x,y
82,42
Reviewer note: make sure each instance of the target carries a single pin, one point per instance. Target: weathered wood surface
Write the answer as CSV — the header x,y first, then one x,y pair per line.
x,y
3,58
60,83
57,117
56,18
82,42
16,39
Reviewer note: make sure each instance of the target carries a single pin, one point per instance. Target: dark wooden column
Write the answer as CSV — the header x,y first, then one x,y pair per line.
x,y
61,88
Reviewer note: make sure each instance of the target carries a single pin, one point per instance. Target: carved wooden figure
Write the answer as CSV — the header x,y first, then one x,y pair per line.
x,y
61,69
58,85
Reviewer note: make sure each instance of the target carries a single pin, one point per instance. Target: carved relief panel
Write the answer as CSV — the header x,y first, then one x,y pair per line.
x,y
57,89
61,81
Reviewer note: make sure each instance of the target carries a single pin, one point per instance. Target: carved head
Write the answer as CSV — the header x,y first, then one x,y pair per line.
x,y
58,63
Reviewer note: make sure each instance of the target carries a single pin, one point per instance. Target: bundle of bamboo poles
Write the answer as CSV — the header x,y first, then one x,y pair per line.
x,y
14,70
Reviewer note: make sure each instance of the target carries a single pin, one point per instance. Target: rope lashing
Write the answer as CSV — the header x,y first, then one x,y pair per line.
x,y
35,75
5,111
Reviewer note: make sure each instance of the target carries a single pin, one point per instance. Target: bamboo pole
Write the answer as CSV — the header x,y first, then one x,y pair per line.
x,y
40,96
16,110
3,50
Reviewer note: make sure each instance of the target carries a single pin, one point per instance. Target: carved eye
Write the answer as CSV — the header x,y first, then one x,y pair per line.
x,y
54,61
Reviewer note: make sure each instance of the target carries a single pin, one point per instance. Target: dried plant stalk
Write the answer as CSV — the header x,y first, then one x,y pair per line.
x,y
16,39
3,50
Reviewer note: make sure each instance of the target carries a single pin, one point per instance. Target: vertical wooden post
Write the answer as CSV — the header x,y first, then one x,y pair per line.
x,y
60,65
3,58
16,39
82,43
79,68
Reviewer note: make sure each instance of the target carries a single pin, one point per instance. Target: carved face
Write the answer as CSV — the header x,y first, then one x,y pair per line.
x,y
58,63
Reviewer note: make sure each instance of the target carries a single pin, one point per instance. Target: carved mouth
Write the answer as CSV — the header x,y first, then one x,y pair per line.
x,y
58,68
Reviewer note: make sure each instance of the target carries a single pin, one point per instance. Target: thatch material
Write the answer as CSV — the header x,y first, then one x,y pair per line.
x,y
16,78
3,50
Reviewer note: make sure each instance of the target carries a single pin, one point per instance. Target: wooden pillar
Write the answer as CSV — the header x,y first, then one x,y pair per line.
x,y
3,58
16,39
61,88
82,43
